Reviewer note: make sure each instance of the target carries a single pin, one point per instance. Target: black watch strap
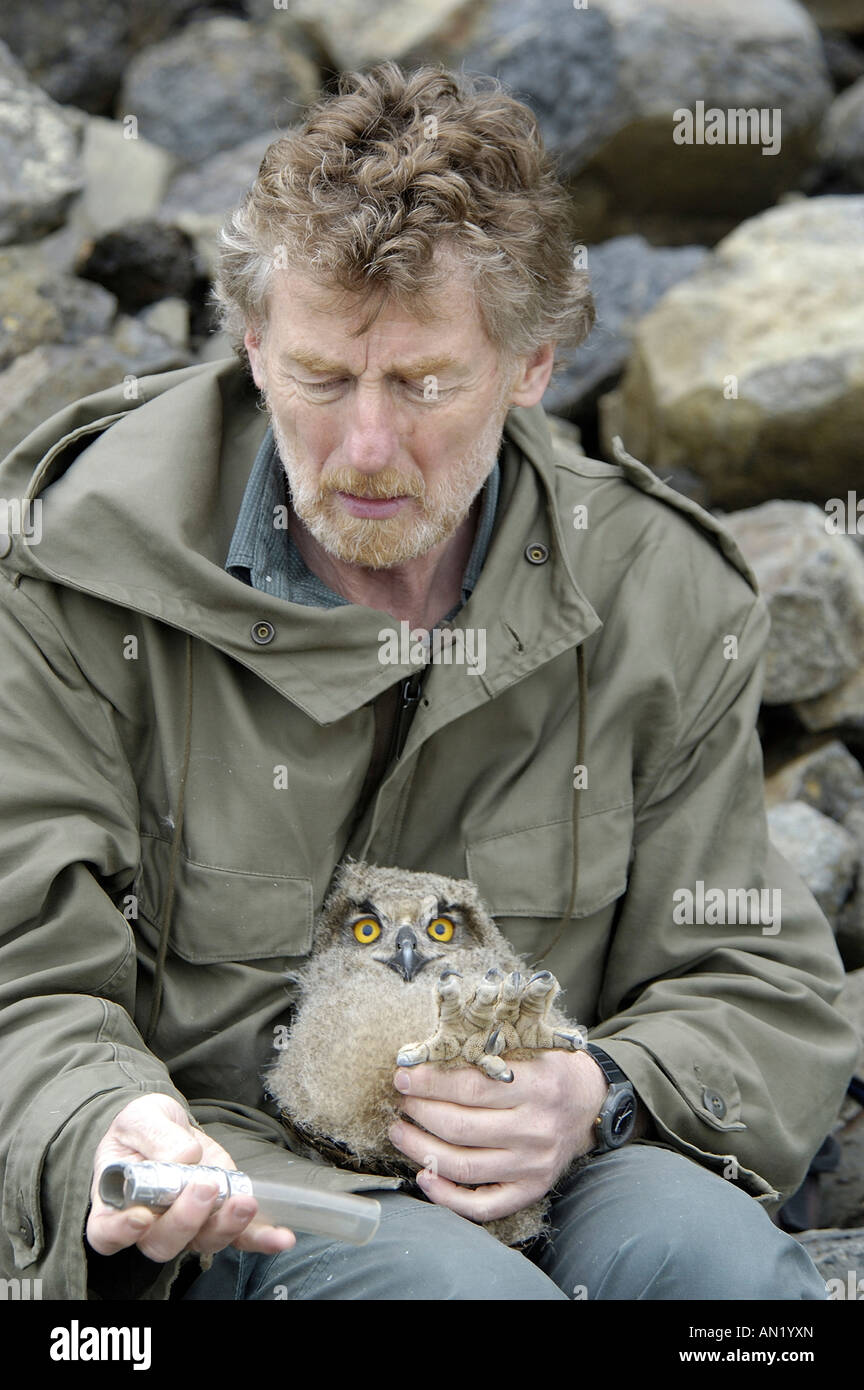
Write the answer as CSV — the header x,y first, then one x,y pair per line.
x,y
610,1069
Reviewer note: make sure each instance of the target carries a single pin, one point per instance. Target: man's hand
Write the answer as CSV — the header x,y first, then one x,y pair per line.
x,y
156,1126
516,1138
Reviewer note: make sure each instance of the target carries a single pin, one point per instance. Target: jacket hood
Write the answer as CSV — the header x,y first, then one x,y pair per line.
x,y
139,499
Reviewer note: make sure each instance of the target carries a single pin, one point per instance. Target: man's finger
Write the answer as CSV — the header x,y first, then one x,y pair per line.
x,y
462,1085
459,1164
487,1203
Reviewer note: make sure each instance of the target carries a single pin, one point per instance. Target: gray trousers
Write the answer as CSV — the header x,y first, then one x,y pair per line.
x,y
640,1223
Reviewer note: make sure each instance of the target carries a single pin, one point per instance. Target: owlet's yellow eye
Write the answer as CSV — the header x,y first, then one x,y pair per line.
x,y
366,930
441,929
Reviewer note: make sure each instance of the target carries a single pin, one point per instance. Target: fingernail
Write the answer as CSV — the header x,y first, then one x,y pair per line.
x,y
396,1132
138,1223
402,1081
204,1193
245,1211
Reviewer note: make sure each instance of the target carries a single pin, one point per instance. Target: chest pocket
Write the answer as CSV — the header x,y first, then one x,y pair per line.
x,y
527,873
223,914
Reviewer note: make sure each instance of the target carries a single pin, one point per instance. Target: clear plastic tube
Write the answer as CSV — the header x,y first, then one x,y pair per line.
x,y
151,1183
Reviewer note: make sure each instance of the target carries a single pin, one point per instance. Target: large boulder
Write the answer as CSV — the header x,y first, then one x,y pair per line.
x,y
628,276
77,49
125,176
841,144
813,583
199,198
828,778
40,171
626,93
217,83
822,852
751,371
356,33
142,262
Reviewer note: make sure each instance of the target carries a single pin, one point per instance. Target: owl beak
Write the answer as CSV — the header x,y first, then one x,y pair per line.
x,y
405,960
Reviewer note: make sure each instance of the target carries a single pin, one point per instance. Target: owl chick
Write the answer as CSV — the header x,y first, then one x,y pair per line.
x,y
405,968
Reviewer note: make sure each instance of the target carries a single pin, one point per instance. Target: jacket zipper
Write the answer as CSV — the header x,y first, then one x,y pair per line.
x,y
409,698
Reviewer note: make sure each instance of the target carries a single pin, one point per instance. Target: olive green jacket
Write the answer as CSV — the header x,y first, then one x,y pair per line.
x,y
182,757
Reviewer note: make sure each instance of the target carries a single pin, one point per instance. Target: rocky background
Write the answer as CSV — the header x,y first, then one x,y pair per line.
x,y
728,353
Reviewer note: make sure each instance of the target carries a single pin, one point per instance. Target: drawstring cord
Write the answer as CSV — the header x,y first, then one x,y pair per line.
x,y
577,788
165,931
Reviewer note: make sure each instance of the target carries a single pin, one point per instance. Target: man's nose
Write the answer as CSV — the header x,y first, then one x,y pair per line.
x,y
371,437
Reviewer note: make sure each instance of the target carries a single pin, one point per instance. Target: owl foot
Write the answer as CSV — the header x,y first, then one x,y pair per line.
x,y
480,1021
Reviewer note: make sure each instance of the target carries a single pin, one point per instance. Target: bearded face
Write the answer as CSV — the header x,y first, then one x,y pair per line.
x,y
426,513
386,430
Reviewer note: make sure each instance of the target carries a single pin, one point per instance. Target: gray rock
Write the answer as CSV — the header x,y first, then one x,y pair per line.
x,y
170,319
42,381
356,33
216,84
841,144
751,371
125,177
199,199
77,49
141,262
40,172
607,83
841,709
849,929
828,778
822,852
813,583
845,60
839,1257
628,276
41,305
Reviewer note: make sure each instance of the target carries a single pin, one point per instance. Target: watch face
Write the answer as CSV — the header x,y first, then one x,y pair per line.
x,y
622,1121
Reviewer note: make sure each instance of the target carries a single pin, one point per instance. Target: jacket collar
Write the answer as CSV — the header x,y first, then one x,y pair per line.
x,y
138,509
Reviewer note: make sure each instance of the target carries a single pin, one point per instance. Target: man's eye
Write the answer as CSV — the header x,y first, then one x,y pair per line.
x,y
320,387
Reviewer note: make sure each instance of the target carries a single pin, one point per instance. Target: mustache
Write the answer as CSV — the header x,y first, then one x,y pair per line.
x,y
389,482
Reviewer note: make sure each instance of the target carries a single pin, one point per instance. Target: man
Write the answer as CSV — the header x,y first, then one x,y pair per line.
x,y
203,718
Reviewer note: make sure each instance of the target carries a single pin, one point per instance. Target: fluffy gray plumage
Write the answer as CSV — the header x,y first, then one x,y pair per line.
x,y
373,993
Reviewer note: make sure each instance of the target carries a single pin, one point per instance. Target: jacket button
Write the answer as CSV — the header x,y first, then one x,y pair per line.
x,y
25,1230
262,633
536,553
714,1102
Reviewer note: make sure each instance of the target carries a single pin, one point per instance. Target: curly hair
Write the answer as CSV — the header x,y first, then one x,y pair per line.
x,y
392,169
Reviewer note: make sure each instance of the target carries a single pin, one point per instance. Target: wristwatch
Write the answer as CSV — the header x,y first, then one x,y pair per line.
x,y
617,1119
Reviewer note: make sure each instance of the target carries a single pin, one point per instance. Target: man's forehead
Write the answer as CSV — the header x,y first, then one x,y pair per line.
x,y
315,325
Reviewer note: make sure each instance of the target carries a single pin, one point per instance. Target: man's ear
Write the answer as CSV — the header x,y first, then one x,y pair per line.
x,y
253,343
531,376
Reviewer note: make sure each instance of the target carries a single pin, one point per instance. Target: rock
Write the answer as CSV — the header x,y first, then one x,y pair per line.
x,y
142,262
837,14
77,49
356,33
822,852
40,172
170,319
828,778
751,371
199,199
813,583
849,929
41,305
42,381
628,276
125,177
842,709
609,82
841,144
845,61
215,84
841,1193
839,1257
